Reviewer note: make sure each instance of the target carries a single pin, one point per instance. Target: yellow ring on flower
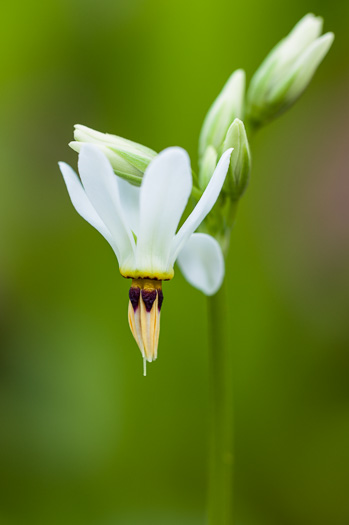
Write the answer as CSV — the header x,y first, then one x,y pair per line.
x,y
142,274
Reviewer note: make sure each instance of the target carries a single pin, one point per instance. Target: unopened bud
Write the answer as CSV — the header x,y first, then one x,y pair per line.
x,y
240,161
287,70
207,167
228,105
128,159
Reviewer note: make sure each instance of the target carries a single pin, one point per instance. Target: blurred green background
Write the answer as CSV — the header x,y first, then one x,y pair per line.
x,y
84,438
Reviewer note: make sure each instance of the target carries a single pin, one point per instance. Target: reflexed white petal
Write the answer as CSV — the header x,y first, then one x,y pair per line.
x,y
82,203
202,263
204,205
165,190
129,196
101,186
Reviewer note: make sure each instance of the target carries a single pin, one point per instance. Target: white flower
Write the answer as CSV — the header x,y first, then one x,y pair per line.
x,y
141,225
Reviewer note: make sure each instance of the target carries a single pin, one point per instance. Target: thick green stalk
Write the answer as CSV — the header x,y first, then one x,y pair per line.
x,y
220,495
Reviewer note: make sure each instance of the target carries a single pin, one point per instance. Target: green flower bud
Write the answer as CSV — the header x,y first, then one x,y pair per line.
x,y
128,159
207,167
228,105
287,70
240,161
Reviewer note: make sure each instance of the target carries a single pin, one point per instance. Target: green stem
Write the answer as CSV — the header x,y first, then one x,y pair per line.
x,y
220,497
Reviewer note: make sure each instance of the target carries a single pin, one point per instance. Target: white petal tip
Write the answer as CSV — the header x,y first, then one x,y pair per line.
x,y
236,78
65,169
328,37
240,73
76,146
225,158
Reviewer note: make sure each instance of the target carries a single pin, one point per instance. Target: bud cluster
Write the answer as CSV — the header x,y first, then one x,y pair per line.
x,y
276,85
223,129
287,70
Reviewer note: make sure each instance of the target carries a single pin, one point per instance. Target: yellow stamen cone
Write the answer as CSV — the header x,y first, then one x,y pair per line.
x,y
144,316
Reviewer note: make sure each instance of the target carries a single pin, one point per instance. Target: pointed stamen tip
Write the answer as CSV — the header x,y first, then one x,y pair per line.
x,y
148,297
134,294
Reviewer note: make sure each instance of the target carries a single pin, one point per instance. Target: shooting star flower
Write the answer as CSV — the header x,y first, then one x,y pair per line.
x,y
140,224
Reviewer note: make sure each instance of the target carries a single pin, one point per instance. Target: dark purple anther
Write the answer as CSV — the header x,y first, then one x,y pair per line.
x,y
148,297
160,299
134,296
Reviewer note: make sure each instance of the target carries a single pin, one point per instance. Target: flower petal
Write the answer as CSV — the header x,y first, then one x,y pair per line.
x,y
82,203
204,205
165,190
202,263
129,197
102,189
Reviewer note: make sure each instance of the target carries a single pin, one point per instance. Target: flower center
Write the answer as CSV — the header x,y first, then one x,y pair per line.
x,y
144,315
149,290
